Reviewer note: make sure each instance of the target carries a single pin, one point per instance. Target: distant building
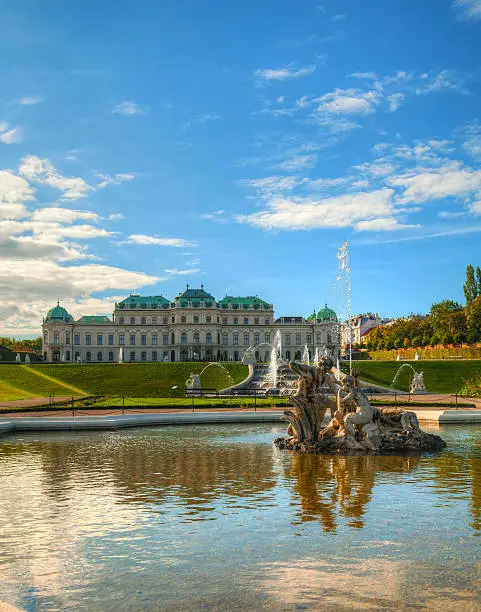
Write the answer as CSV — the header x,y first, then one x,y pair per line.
x,y
360,326
192,327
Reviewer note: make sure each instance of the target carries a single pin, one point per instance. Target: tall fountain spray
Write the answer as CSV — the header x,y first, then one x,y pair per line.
x,y
276,353
121,355
316,356
344,279
305,355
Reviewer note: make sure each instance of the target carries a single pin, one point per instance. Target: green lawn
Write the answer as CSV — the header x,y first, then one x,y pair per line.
x,y
443,376
129,380
183,402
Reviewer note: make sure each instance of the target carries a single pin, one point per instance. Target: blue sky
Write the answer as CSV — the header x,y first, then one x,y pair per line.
x,y
149,144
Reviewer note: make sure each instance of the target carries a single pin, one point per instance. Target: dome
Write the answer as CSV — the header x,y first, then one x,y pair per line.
x,y
326,314
58,313
312,316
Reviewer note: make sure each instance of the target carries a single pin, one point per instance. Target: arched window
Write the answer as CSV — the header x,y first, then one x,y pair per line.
x,y
246,339
88,356
196,337
208,338
183,338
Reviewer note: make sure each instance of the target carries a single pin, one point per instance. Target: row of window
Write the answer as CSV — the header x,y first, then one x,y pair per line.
x,y
164,339
194,319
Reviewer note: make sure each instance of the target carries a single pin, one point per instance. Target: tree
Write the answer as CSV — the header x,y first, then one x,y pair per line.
x,y
472,286
474,320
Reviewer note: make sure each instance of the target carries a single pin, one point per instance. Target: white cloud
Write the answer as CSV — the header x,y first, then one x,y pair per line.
x,y
451,215
200,120
9,136
116,179
338,17
395,100
216,215
42,171
475,207
63,215
115,217
446,80
282,74
348,101
468,9
176,272
309,213
298,162
472,142
154,240
127,108
14,192
29,100
382,224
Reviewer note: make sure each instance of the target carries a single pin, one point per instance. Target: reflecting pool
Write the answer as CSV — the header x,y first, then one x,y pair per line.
x,y
216,518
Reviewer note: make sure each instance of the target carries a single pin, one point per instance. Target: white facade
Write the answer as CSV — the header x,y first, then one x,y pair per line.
x,y
360,325
193,327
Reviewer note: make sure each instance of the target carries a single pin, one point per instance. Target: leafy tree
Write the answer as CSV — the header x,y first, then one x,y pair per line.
x,y
472,286
474,320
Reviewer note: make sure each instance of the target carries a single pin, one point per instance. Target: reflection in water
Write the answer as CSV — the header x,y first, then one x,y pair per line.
x,y
331,486
218,518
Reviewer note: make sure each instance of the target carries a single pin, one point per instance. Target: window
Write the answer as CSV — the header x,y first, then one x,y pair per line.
x,y
111,339
267,321
196,318
224,320
256,320
183,319
298,339
208,319
165,339
55,337
308,338
164,320
88,356
154,320
196,338
246,339
76,339
154,355
143,339
183,338
132,355
121,320
236,320
208,338
154,339
143,320
99,356
224,339
172,339
236,355
267,338
173,319
257,339
111,355
235,338
67,355
121,339
132,320
132,339
45,337
99,340
88,339
143,356
288,338
246,322
67,337
318,338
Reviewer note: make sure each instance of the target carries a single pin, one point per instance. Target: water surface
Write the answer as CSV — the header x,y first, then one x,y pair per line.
x,y
217,518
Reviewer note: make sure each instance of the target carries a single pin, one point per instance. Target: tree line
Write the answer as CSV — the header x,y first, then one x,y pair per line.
x,y
448,322
14,344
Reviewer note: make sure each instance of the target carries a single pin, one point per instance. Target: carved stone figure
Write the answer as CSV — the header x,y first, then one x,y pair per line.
x,y
355,425
193,385
417,385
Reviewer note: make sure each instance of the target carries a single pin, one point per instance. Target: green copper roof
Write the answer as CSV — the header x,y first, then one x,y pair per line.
x,y
144,300
195,294
243,302
312,316
94,319
58,313
326,314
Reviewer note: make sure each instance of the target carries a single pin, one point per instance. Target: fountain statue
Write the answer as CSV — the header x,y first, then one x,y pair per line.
x,y
27,359
355,425
417,385
417,356
193,385
18,359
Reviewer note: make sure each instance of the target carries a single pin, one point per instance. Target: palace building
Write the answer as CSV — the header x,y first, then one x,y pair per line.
x,y
193,327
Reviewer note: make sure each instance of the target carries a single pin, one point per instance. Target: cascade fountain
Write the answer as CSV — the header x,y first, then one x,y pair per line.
x,y
305,355
344,280
416,384
276,352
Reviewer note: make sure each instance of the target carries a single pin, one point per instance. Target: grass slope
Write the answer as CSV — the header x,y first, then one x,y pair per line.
x,y
23,382
140,380
443,376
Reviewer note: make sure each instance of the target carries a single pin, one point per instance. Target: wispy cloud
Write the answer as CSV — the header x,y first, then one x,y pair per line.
x,y
200,120
127,108
468,9
144,239
176,272
9,135
29,100
283,74
338,17
43,171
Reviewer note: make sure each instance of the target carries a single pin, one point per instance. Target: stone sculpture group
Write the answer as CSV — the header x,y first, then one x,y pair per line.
x,y
355,425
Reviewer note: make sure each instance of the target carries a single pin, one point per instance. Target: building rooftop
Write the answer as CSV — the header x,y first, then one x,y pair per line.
x,y
94,319
58,313
157,301
243,302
